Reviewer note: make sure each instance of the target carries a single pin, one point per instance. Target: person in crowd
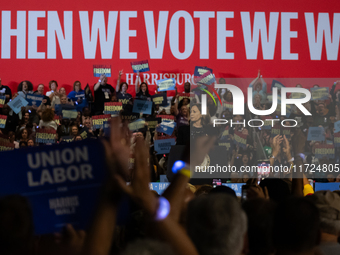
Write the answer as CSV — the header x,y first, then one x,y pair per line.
x,y
296,227
78,96
47,119
74,131
328,204
122,88
16,226
260,213
198,122
30,143
143,92
5,91
23,135
24,88
217,224
103,93
53,85
40,90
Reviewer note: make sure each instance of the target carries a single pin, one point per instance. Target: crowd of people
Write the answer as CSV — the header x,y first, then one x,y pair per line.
x,y
276,216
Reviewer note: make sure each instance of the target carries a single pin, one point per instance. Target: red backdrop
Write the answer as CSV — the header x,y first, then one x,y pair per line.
x,y
293,18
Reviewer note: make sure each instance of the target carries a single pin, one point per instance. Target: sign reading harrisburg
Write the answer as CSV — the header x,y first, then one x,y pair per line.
x,y
280,39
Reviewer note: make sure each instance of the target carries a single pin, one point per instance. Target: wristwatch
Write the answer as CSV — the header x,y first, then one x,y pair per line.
x,y
99,80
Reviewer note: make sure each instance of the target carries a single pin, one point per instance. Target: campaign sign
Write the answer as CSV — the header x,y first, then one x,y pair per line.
x,y
316,134
69,114
113,108
226,142
6,146
200,70
286,132
152,122
337,140
159,187
4,138
17,103
337,126
45,135
140,66
163,146
2,101
166,117
166,127
129,116
56,119
276,130
324,150
142,106
98,120
319,93
62,182
225,134
3,119
237,187
206,79
84,133
166,84
297,95
204,75
267,123
160,99
137,125
277,84
227,105
67,139
240,139
333,186
101,69
34,99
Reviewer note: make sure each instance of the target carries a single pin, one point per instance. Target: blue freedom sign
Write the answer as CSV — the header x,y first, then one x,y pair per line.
x,y
62,182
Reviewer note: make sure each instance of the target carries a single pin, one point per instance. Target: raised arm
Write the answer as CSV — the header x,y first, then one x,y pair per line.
x,y
118,81
137,83
100,235
97,85
157,209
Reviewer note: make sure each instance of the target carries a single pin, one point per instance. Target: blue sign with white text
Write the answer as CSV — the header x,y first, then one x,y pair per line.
x,y
166,127
237,187
34,99
163,146
142,106
316,134
159,187
61,182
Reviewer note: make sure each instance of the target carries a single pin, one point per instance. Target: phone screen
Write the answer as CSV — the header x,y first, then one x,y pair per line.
x,y
216,182
263,169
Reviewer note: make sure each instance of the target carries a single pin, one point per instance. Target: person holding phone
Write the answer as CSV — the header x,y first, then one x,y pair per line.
x,y
103,93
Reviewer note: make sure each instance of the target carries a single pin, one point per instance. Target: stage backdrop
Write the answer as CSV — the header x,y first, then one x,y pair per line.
x,y
64,40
